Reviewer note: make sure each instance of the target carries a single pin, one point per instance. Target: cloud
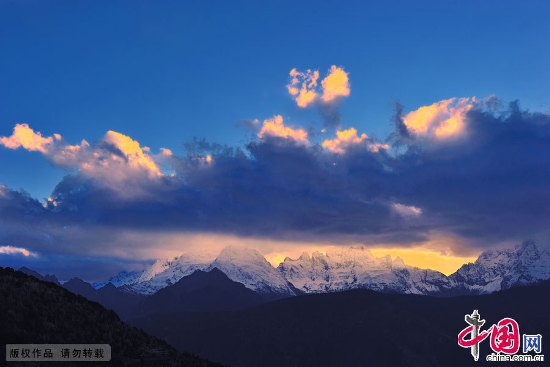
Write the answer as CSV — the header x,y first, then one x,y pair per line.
x,y
406,210
10,250
302,86
335,84
488,187
115,157
349,138
305,90
441,120
275,127
132,152
25,137
115,161
344,138
253,124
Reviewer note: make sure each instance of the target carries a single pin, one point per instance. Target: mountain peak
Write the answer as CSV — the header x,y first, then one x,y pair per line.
x,y
347,268
499,269
528,249
398,263
47,278
240,254
249,267
303,256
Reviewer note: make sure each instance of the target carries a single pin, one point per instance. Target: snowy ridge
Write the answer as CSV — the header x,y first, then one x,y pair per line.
x,y
501,269
348,268
249,267
159,275
356,267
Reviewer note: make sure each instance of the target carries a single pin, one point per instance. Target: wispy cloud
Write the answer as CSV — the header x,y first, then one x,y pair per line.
x,y
407,210
10,250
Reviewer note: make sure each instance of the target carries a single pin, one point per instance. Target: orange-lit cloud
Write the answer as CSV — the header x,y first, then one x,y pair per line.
x,y
344,138
25,137
11,250
132,151
347,138
443,119
276,127
167,152
124,161
376,147
304,88
335,84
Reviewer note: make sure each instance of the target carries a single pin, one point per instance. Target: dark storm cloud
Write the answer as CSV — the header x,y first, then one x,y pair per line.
x,y
491,185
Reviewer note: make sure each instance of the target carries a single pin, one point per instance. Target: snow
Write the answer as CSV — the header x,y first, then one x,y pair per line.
x,y
346,268
356,267
249,267
500,269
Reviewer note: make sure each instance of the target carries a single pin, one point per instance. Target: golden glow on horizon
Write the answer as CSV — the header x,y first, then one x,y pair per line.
x,y
275,251
425,259
417,257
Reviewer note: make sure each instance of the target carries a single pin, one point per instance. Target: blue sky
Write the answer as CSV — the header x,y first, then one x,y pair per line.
x,y
450,173
165,72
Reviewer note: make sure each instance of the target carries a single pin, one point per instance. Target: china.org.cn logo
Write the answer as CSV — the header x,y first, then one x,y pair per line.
x,y
504,338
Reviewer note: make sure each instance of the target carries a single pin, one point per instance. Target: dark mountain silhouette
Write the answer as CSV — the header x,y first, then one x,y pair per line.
x,y
352,328
35,311
125,304
201,292
80,287
47,278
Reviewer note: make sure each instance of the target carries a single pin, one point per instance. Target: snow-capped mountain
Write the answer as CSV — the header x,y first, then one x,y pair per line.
x,y
159,275
240,264
348,268
249,267
357,268
500,269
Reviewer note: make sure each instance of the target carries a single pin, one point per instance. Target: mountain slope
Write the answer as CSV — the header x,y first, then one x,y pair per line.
x,y
353,328
200,292
34,311
501,269
161,274
348,268
117,299
47,278
356,267
249,267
